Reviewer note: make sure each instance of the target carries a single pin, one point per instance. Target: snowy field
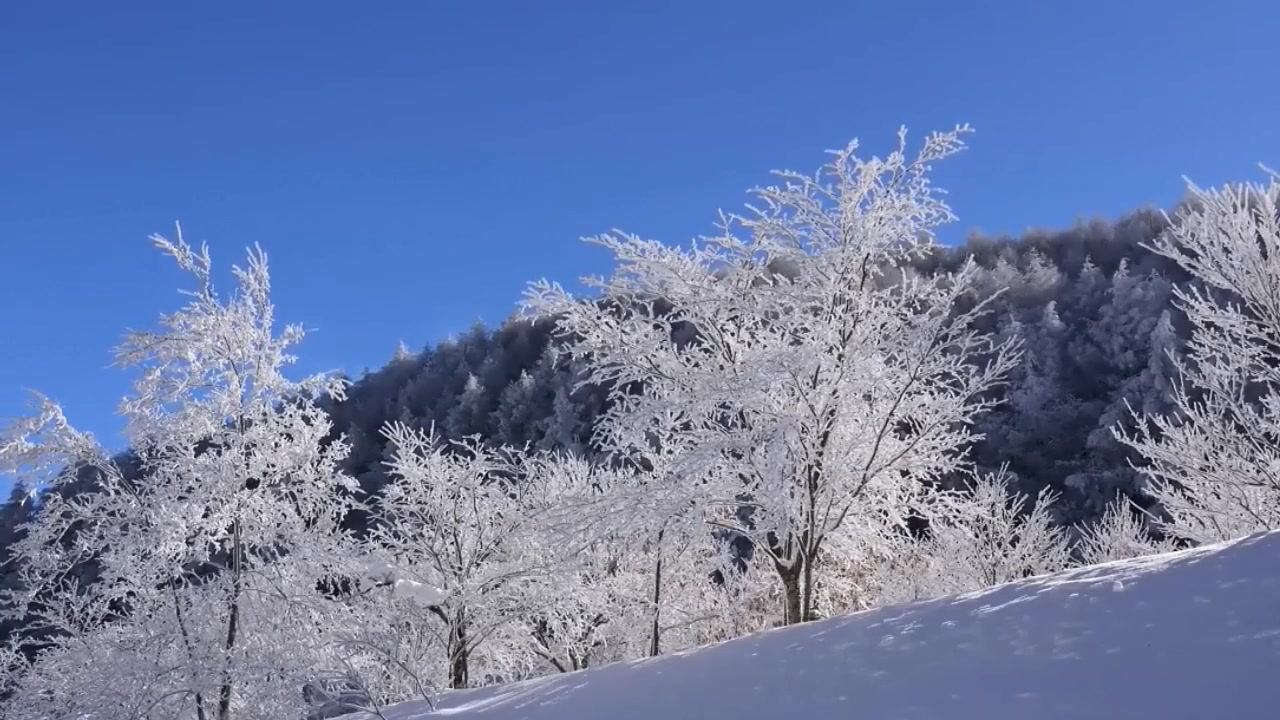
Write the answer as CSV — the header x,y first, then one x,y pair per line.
x,y
1193,635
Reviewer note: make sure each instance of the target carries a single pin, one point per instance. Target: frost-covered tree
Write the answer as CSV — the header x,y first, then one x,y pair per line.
x,y
904,572
1214,462
203,597
1121,534
588,603
537,563
684,575
826,380
464,518
993,535
581,611
858,566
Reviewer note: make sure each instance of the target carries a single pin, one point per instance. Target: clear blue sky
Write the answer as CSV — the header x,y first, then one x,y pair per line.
x,y
410,165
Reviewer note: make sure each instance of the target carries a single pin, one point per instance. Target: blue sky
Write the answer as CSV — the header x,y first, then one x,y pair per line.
x,y
409,166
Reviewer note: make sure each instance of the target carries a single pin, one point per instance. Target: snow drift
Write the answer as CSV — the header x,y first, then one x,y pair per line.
x,y
1192,634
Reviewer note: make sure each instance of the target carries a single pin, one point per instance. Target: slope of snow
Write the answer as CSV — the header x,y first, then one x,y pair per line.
x,y
1193,634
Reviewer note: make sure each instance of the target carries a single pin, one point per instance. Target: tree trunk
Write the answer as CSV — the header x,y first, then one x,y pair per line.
x,y
186,641
233,621
806,606
458,672
654,645
792,609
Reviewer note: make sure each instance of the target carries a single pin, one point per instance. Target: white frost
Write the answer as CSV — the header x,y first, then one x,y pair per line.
x,y
1020,650
421,593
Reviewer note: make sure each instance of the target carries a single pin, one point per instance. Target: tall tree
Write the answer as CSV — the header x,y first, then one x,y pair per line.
x,y
828,381
206,601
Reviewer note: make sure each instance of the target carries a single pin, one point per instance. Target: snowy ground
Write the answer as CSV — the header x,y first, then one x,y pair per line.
x,y
1192,635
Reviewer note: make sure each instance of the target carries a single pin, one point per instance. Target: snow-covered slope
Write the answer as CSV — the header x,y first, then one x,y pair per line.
x,y
1192,635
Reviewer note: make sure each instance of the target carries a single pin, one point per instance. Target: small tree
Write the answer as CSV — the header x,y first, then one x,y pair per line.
x,y
1214,463
587,605
458,517
993,536
203,597
1119,535
905,572
825,381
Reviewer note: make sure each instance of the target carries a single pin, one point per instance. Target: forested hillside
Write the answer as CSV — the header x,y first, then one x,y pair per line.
x,y
1092,304
815,412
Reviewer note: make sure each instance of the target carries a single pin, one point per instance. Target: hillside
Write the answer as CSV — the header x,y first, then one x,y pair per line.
x,y
1090,301
1193,634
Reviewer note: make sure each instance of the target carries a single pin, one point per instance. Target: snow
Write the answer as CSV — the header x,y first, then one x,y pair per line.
x,y
421,593
1192,634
